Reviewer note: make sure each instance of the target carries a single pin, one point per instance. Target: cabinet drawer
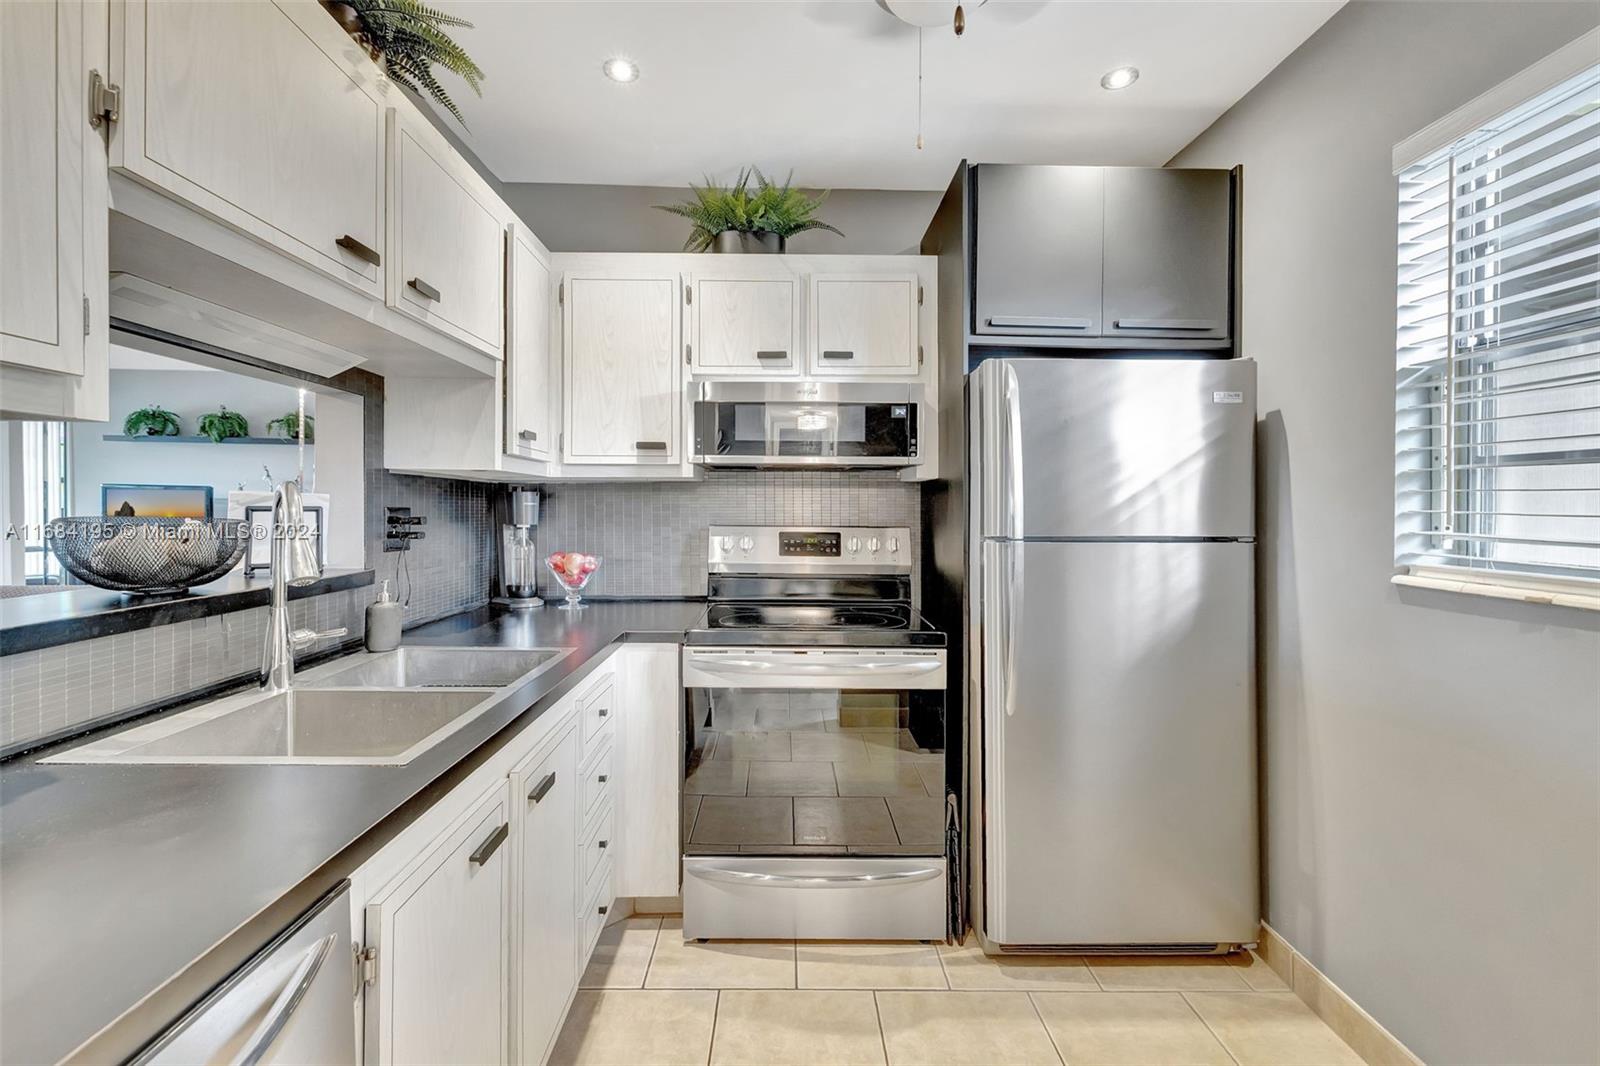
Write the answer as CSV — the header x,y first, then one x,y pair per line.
x,y
595,714
595,851
593,918
594,782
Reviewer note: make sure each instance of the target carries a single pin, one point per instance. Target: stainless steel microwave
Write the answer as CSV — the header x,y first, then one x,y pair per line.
x,y
806,424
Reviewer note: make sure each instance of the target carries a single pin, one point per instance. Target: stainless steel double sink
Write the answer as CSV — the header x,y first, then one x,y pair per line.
x,y
367,709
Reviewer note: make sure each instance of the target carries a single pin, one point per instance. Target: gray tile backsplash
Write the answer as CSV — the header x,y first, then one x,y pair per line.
x,y
653,536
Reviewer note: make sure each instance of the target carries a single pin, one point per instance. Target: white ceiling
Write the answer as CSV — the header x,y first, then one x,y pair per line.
x,y
827,88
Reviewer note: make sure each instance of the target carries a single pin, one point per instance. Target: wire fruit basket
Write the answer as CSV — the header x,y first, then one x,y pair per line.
x,y
146,555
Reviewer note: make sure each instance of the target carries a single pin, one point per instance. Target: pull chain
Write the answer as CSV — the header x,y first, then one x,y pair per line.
x,y
919,88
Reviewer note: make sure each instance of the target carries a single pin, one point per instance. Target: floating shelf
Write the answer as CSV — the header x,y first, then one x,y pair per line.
x,y
204,440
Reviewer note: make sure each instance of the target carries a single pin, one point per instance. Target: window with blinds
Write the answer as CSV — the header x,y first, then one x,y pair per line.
x,y
1497,430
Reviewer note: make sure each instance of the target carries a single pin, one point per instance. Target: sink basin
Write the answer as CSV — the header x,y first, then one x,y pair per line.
x,y
340,726
378,709
427,667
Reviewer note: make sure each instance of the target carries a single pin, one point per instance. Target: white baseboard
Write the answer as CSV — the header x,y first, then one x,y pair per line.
x,y
1328,1001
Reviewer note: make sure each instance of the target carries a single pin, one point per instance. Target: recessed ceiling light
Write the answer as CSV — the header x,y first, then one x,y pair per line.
x,y
619,69
1120,78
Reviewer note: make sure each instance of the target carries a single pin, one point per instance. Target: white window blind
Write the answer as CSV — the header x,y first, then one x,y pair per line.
x,y
1497,428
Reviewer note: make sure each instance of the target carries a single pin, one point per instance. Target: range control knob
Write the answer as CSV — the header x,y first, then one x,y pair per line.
x,y
745,544
872,545
853,545
726,543
894,545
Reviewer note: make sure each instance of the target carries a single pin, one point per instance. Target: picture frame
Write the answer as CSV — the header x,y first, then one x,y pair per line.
x,y
258,553
158,501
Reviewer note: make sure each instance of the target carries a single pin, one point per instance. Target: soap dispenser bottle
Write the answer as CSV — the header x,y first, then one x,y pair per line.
x,y
383,621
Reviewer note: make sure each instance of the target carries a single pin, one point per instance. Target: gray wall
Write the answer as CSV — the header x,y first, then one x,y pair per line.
x,y
1432,761
653,536
623,218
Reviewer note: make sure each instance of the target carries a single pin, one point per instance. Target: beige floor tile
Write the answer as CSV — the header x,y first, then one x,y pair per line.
x,y
637,1028
1163,973
967,967
905,749
745,820
827,747
792,779
718,964
870,777
1368,1039
785,1027
963,1029
691,810
749,746
918,820
868,965
774,719
718,777
932,774
622,954
1271,1029
1256,973
819,820
1128,1029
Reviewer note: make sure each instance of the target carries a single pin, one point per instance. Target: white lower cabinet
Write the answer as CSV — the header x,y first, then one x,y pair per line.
x,y
440,933
547,789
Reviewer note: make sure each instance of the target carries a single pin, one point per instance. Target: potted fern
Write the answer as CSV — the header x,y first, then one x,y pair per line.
x,y
152,421
735,218
781,211
408,37
291,426
721,217
220,425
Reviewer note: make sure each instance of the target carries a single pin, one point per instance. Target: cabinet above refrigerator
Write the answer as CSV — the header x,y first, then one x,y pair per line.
x,y
1103,257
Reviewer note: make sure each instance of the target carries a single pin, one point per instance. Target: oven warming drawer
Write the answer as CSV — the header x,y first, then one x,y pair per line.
x,y
855,898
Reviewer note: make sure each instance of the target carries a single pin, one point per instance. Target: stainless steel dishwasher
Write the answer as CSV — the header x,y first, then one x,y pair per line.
x,y
290,1003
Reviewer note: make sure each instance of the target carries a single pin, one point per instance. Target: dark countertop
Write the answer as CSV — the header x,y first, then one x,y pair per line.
x,y
127,891
78,612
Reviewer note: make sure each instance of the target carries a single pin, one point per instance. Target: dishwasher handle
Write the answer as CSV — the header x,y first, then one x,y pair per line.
x,y
288,1001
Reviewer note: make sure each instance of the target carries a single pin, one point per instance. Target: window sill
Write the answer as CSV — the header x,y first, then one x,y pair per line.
x,y
1579,599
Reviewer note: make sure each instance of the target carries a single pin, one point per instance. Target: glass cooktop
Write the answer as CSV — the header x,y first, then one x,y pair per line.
x,y
807,616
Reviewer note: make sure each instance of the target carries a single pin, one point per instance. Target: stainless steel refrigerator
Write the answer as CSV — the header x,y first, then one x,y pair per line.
x,y
1111,659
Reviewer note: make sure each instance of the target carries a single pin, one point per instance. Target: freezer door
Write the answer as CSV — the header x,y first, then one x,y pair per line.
x,y
1104,448
1119,744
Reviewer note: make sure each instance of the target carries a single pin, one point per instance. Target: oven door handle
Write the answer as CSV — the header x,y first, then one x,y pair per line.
x,y
771,880
874,668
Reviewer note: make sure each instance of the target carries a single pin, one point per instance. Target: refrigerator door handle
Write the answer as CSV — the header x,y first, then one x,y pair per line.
x,y
1004,570
1013,433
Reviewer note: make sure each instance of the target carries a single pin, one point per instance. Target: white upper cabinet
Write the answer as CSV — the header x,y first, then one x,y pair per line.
x,y
744,326
527,368
623,394
446,238
52,213
863,324
251,113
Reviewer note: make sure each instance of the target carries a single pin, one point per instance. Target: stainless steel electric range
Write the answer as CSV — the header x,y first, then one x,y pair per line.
x,y
816,797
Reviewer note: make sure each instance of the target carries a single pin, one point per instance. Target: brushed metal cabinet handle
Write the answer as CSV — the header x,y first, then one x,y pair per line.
x,y
838,353
604,909
603,712
546,783
773,354
359,250
424,288
1185,324
603,778
527,434
490,845
650,445
1039,322
603,844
